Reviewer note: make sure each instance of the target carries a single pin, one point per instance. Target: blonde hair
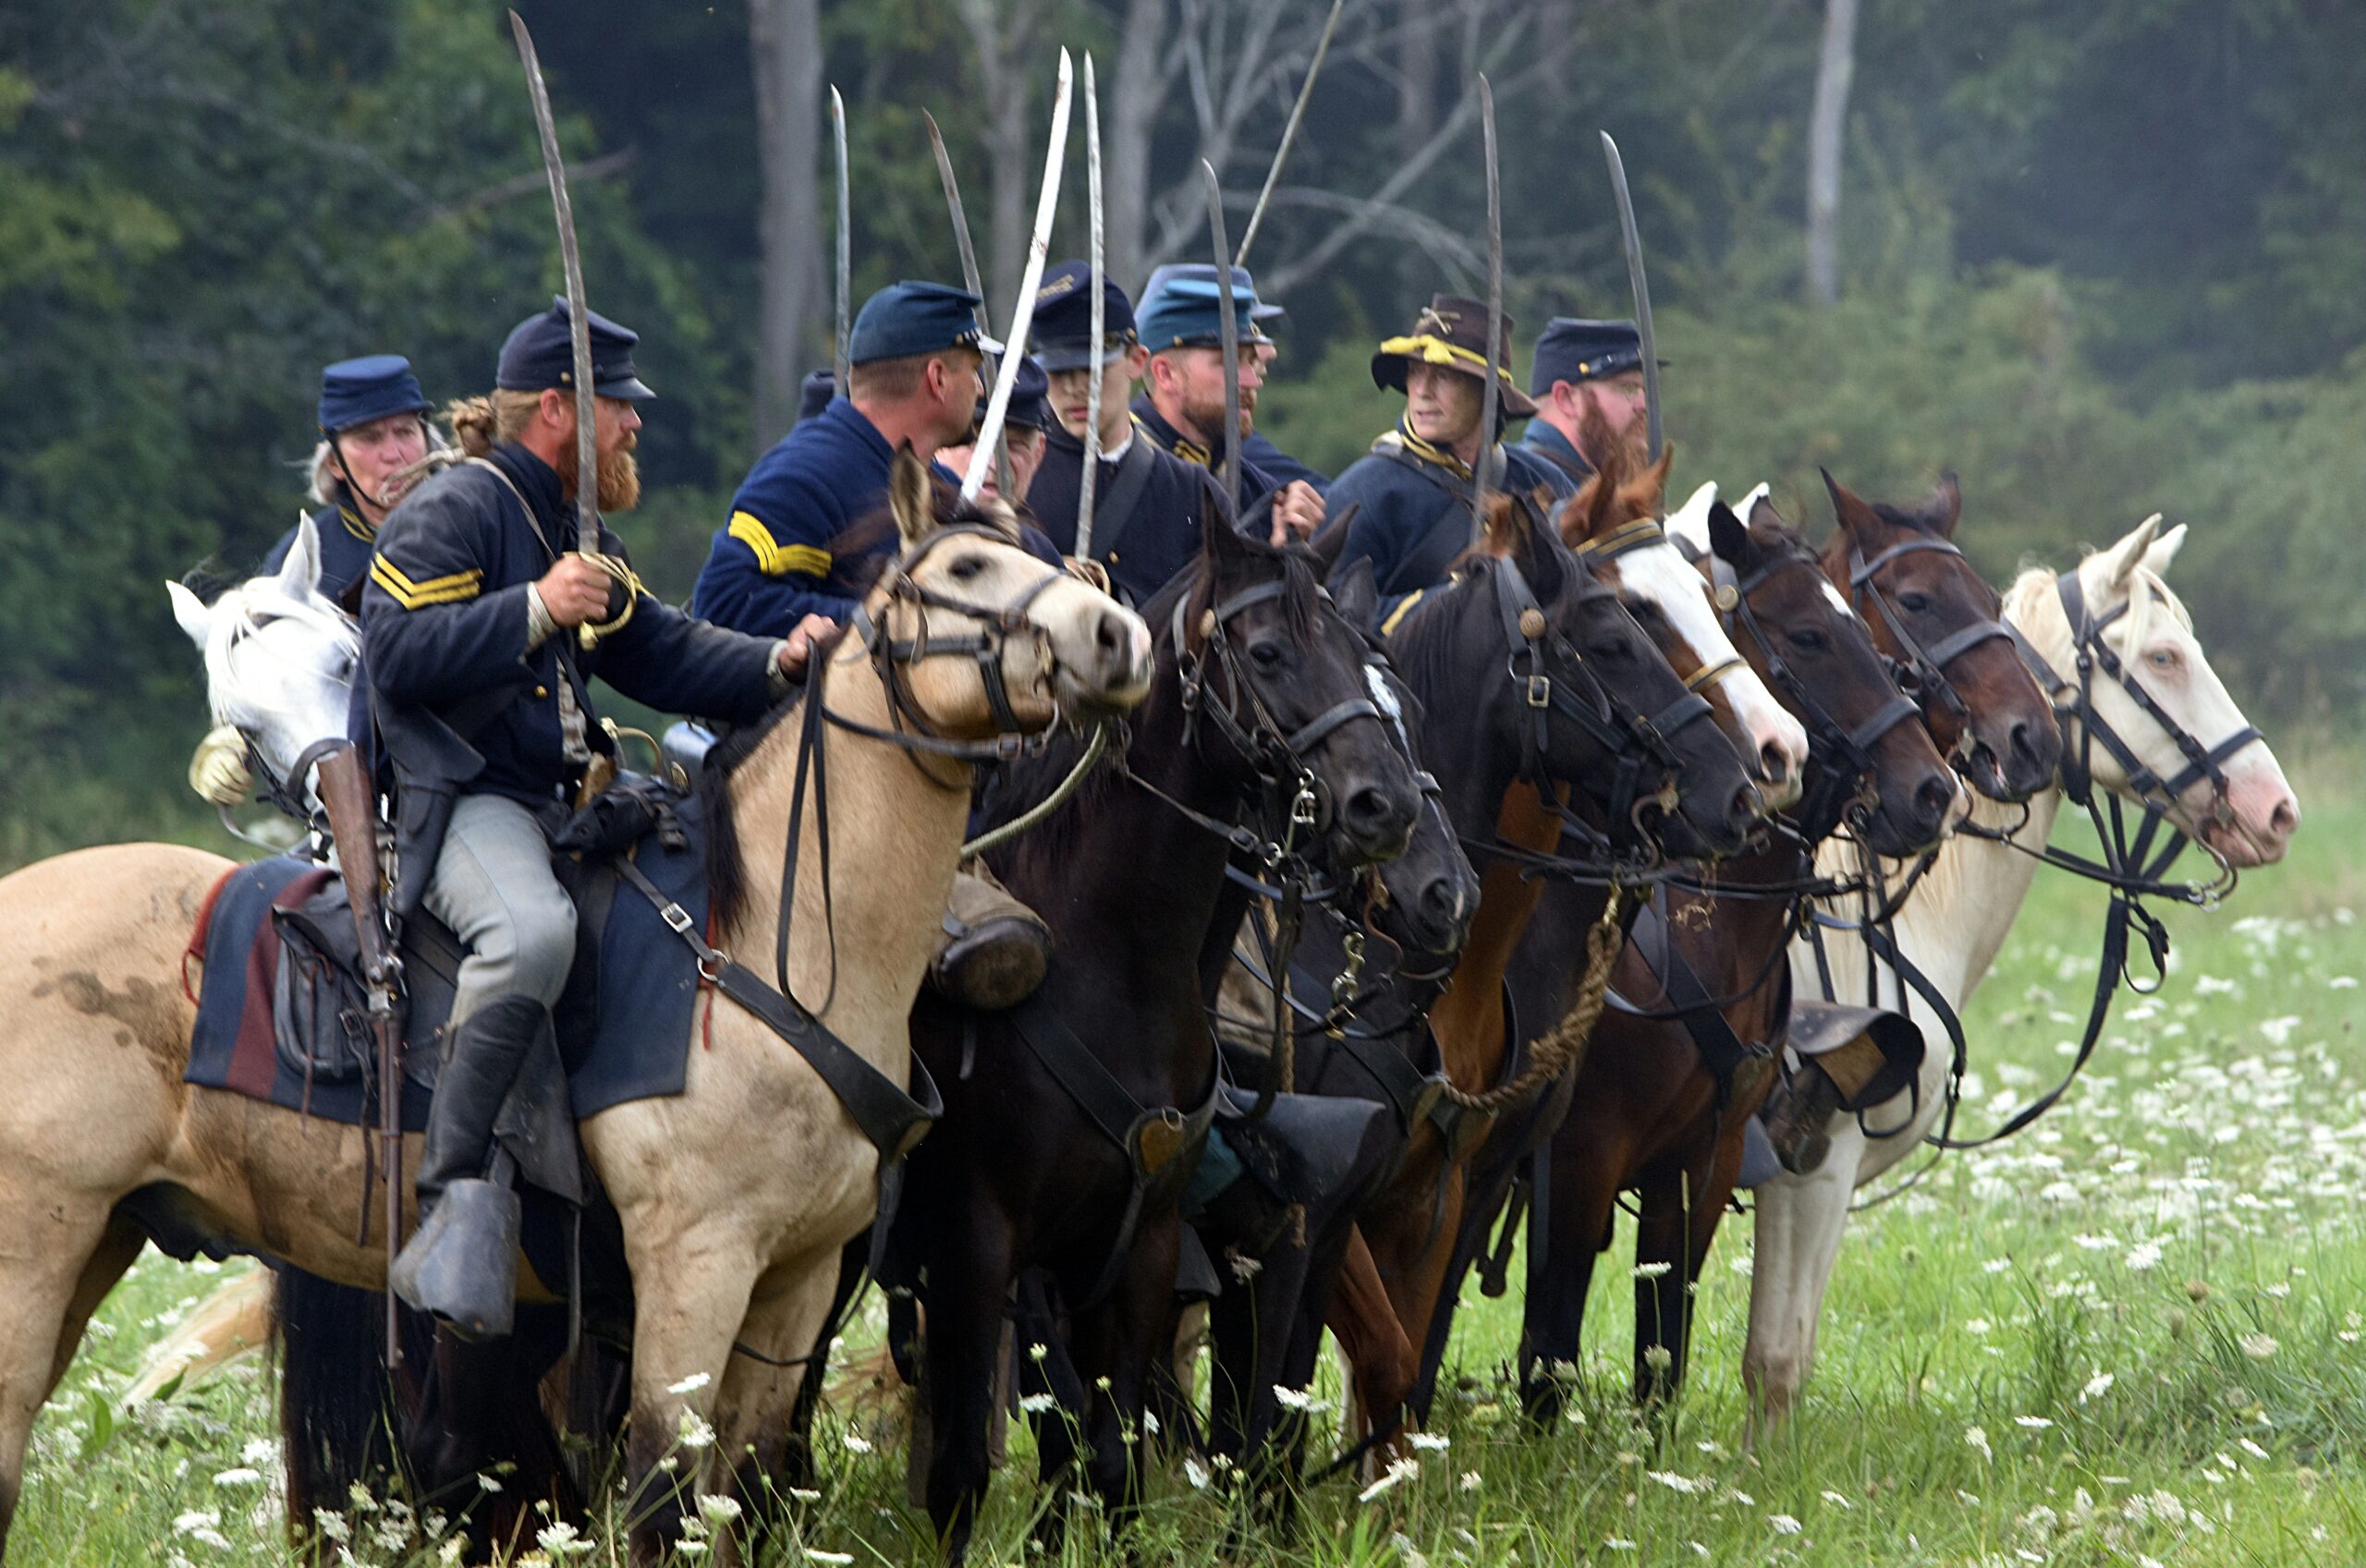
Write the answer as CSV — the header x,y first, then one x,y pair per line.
x,y
478,425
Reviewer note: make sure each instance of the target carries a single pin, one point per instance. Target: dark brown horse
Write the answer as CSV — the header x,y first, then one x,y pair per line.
x,y
1682,1061
1070,1122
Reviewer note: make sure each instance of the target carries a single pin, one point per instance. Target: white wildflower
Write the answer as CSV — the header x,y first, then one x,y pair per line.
x,y
242,1476
1678,1483
1471,1480
332,1526
1403,1470
815,1554
2034,1423
202,1527
2278,1030
1431,1442
1976,1326
2144,1255
717,1510
691,1384
1978,1438
1652,1271
2259,1347
1292,1399
562,1541
261,1452
856,1442
1617,1543
1837,1500
1782,1524
2097,1386
1195,1472
694,1431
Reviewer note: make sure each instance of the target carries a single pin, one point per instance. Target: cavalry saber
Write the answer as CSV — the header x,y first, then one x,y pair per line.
x,y
1087,477
846,246
1289,134
1642,293
970,279
1023,312
1231,327
587,467
1490,401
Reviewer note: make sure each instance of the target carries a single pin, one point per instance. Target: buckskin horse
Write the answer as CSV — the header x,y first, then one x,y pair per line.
x,y
1683,1056
2144,721
1537,681
734,1197
1259,735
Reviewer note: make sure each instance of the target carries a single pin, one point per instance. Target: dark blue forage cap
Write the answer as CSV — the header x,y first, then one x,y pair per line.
x,y
1062,332
909,318
354,392
540,354
1576,351
1030,398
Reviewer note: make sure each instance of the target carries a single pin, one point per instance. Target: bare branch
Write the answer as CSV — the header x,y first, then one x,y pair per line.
x,y
604,167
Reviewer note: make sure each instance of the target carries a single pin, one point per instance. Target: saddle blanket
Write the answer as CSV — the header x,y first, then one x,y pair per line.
x,y
624,1025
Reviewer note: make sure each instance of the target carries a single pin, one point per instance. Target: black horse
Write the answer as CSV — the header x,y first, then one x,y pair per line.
x,y
1072,1121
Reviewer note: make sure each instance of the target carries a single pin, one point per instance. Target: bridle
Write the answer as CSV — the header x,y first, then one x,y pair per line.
x,y
1645,533
1922,670
1550,675
1844,753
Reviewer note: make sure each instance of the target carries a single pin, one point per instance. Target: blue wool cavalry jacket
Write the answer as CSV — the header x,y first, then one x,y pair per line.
x,y
790,547
1565,465
1413,512
1255,482
347,543
461,703
1158,535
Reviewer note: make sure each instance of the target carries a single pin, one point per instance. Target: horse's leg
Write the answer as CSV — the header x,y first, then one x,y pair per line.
x,y
1379,1352
1120,1342
797,1465
968,1278
1585,1169
1674,1191
1800,1222
1415,1277
790,1305
59,1255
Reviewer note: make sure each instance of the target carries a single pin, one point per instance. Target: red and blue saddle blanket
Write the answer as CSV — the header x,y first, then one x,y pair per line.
x,y
281,1016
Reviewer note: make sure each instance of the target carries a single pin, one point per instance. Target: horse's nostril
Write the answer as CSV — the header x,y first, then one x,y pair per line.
x,y
1931,800
1774,763
1748,804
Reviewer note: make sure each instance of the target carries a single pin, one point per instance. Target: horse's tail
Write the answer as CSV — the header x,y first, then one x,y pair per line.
x,y
338,1412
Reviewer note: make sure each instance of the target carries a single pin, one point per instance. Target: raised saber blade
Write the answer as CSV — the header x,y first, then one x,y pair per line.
x,y
1023,312
1642,293
970,279
1231,327
1490,401
1289,134
587,463
1089,477
846,246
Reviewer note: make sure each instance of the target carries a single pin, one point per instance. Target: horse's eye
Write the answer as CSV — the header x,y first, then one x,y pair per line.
x,y
1268,655
968,566
1913,603
2163,659
1807,642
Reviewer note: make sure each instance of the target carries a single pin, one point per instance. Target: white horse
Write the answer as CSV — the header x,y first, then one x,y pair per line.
x,y
1958,916
279,659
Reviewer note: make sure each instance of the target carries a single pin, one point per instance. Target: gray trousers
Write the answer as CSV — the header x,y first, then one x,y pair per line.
x,y
493,885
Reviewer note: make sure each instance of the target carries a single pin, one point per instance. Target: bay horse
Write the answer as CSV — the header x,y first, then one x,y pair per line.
x,y
1259,732
1611,727
1951,927
1662,1098
734,1197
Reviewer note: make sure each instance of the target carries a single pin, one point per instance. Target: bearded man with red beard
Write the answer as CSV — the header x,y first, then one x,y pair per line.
x,y
479,690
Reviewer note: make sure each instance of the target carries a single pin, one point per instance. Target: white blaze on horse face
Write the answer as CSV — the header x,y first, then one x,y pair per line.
x,y
1778,743
2155,643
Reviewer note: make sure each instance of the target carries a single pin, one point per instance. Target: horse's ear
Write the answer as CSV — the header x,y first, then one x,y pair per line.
x,y
1355,593
1853,512
1757,508
2164,550
1330,541
2122,559
1688,523
190,611
910,496
300,575
1648,489
1219,540
1728,537
1944,509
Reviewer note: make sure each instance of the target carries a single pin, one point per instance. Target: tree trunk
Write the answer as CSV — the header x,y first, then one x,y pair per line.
x,y
1417,120
785,36
1002,32
1827,137
1132,112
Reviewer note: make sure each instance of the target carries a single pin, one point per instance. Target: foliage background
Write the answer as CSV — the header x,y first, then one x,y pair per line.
x,y
2099,258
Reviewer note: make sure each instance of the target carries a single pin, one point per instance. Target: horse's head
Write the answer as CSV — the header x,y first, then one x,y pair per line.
x,y
1930,611
1430,891
1613,524
279,659
1268,662
986,639
2149,684
1819,657
1538,672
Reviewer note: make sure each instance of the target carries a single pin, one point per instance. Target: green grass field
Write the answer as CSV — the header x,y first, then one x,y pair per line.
x,y
2132,1335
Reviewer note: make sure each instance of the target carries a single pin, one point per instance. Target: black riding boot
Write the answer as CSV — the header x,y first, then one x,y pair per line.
x,y
461,1264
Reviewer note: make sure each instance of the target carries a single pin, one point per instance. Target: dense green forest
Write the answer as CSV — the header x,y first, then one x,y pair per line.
x,y
2100,257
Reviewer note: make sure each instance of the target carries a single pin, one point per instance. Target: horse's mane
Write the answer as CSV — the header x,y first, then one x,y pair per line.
x,y
244,610
2149,597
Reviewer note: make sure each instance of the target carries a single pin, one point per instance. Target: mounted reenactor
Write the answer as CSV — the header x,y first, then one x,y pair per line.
x,y
1027,423
1146,501
1413,490
480,689
1585,369
372,420
1181,406
793,550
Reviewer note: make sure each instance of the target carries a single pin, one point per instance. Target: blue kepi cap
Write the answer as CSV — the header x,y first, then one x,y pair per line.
x,y
910,318
354,392
541,353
